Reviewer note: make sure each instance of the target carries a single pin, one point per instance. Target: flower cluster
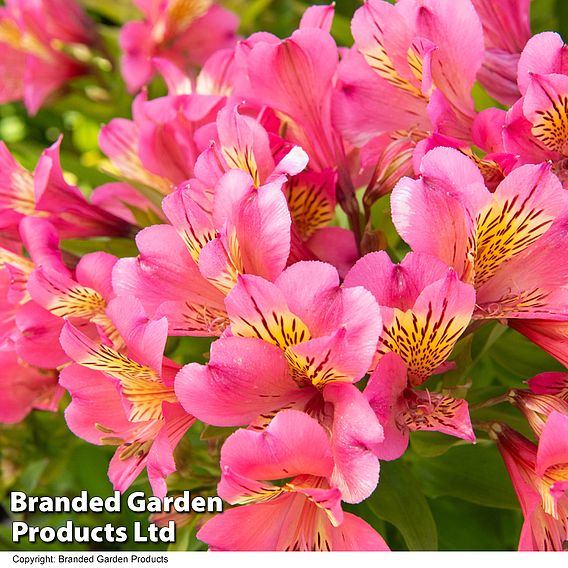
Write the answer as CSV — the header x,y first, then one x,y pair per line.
x,y
250,190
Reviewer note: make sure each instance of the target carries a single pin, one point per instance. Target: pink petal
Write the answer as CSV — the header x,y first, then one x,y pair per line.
x,y
94,400
336,246
24,388
42,243
145,338
355,534
553,443
440,220
244,144
94,270
37,342
544,53
355,438
259,221
440,413
542,106
166,275
550,383
292,444
318,17
383,391
161,461
396,285
227,391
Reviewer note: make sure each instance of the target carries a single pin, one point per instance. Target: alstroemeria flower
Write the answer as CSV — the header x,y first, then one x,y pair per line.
x,y
505,243
158,148
243,143
424,308
277,69
299,342
126,399
84,295
418,63
550,383
538,406
28,333
303,513
45,193
184,33
32,64
185,271
536,127
218,75
540,478
402,409
25,388
506,28
295,77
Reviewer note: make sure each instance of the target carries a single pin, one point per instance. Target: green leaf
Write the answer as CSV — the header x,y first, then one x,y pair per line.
x,y
474,473
400,501
118,246
515,354
216,432
466,526
432,444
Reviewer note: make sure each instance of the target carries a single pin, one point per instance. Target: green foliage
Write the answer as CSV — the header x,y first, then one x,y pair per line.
x,y
400,501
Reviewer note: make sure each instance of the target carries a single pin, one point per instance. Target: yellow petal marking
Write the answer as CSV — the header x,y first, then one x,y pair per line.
x,y
552,126
279,328
317,371
422,342
504,229
242,160
79,302
141,385
309,207
379,60
184,12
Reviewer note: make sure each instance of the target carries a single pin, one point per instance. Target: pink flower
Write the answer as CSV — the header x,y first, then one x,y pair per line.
x,y
184,33
28,334
185,271
402,409
424,308
540,478
84,295
306,61
535,127
249,144
504,243
45,193
295,77
159,148
126,399
506,28
25,388
32,63
420,56
304,513
296,343
243,143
